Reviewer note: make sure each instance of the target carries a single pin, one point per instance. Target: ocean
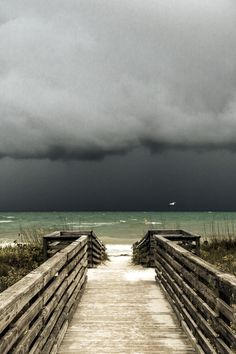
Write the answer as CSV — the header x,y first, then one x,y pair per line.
x,y
116,227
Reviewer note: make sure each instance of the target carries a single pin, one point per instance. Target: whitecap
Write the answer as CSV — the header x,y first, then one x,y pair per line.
x,y
5,221
152,222
97,223
93,224
123,221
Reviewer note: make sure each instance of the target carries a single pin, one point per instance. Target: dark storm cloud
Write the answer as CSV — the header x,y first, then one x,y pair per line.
x,y
138,181
86,79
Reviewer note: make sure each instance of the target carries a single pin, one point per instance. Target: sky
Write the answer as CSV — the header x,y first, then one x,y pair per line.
x,y
117,105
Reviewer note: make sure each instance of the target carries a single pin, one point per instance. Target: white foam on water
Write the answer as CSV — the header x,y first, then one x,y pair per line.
x,y
5,221
152,222
92,224
87,224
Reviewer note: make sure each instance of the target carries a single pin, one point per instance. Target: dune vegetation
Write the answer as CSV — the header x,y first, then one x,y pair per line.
x,y
18,260
26,254
21,257
220,251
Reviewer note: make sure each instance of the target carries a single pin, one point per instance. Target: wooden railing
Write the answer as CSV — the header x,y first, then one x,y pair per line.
x,y
34,312
143,250
203,298
58,240
96,251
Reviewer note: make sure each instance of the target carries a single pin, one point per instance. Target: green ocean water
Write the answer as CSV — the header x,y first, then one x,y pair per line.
x,y
117,227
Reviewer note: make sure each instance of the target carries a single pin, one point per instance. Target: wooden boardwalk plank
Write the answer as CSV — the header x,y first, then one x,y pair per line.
x,y
123,310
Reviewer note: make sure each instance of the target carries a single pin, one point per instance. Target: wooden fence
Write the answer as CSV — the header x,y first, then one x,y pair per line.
x,y
58,240
34,312
143,250
203,298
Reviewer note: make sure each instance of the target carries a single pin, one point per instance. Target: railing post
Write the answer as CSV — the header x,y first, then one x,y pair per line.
x,y
90,250
45,249
198,246
151,250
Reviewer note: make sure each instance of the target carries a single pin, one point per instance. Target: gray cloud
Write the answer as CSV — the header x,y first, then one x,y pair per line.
x,y
85,79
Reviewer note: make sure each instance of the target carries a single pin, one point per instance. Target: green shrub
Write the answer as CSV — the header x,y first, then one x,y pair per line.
x,y
21,258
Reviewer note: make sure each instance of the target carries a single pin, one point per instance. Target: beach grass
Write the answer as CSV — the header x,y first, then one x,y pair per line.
x,y
21,257
218,247
220,250
16,261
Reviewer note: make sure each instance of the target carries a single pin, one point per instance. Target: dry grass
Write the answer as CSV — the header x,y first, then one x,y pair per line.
x,y
220,251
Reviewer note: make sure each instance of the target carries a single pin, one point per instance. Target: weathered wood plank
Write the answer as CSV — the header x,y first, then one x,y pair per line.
x,y
124,311
226,283
190,292
19,326
23,345
32,310
51,289
196,288
17,296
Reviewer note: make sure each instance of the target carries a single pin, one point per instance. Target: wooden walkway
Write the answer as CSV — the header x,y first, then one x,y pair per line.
x,y
123,310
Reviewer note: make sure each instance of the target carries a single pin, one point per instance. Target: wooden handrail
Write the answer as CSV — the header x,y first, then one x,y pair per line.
x,y
35,311
201,294
203,298
58,240
143,249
